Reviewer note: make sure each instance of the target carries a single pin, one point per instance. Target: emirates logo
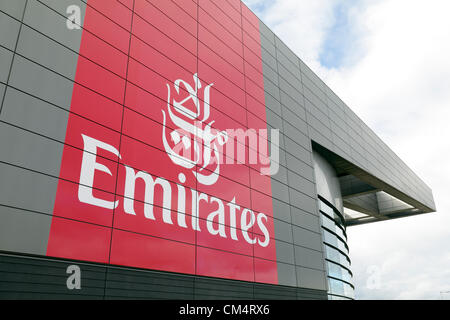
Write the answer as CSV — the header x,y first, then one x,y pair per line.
x,y
194,143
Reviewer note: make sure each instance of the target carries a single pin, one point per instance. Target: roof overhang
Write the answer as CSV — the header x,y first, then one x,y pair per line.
x,y
367,198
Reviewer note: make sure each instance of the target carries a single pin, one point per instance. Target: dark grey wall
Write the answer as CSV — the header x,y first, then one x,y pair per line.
x,y
39,278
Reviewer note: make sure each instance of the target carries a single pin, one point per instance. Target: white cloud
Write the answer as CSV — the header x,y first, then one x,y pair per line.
x,y
401,89
400,86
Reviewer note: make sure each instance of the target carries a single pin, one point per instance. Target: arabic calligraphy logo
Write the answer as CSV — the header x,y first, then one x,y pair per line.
x,y
206,140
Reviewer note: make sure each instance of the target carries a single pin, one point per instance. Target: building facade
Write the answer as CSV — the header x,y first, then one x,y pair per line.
x,y
178,150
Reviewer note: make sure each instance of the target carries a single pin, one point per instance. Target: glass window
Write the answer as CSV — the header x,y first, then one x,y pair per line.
x,y
336,256
336,271
336,253
328,223
334,241
325,208
331,225
336,287
340,288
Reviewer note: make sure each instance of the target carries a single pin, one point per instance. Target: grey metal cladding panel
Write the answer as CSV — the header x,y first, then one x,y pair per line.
x,y
148,284
334,97
281,46
309,258
286,274
309,294
343,145
307,72
309,278
289,66
319,92
273,119
45,84
272,89
281,210
14,8
355,140
287,75
336,111
297,107
358,156
282,152
24,231
2,92
315,103
305,220
263,292
270,73
321,125
122,294
294,93
47,52
355,128
35,115
337,121
283,231
302,201
221,288
301,184
320,122
281,175
296,135
353,120
268,59
29,150
61,5
299,167
272,103
9,31
6,57
137,287
306,238
266,32
338,127
319,132
299,152
45,20
28,190
285,252
294,120
279,191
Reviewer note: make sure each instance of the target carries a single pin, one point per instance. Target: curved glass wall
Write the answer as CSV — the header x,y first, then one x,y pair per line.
x,y
339,275
336,253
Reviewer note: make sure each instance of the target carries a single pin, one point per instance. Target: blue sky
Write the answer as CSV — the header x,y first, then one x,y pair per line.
x,y
340,39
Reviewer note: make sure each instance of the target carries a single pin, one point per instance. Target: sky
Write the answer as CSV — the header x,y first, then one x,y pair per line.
x,y
389,61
